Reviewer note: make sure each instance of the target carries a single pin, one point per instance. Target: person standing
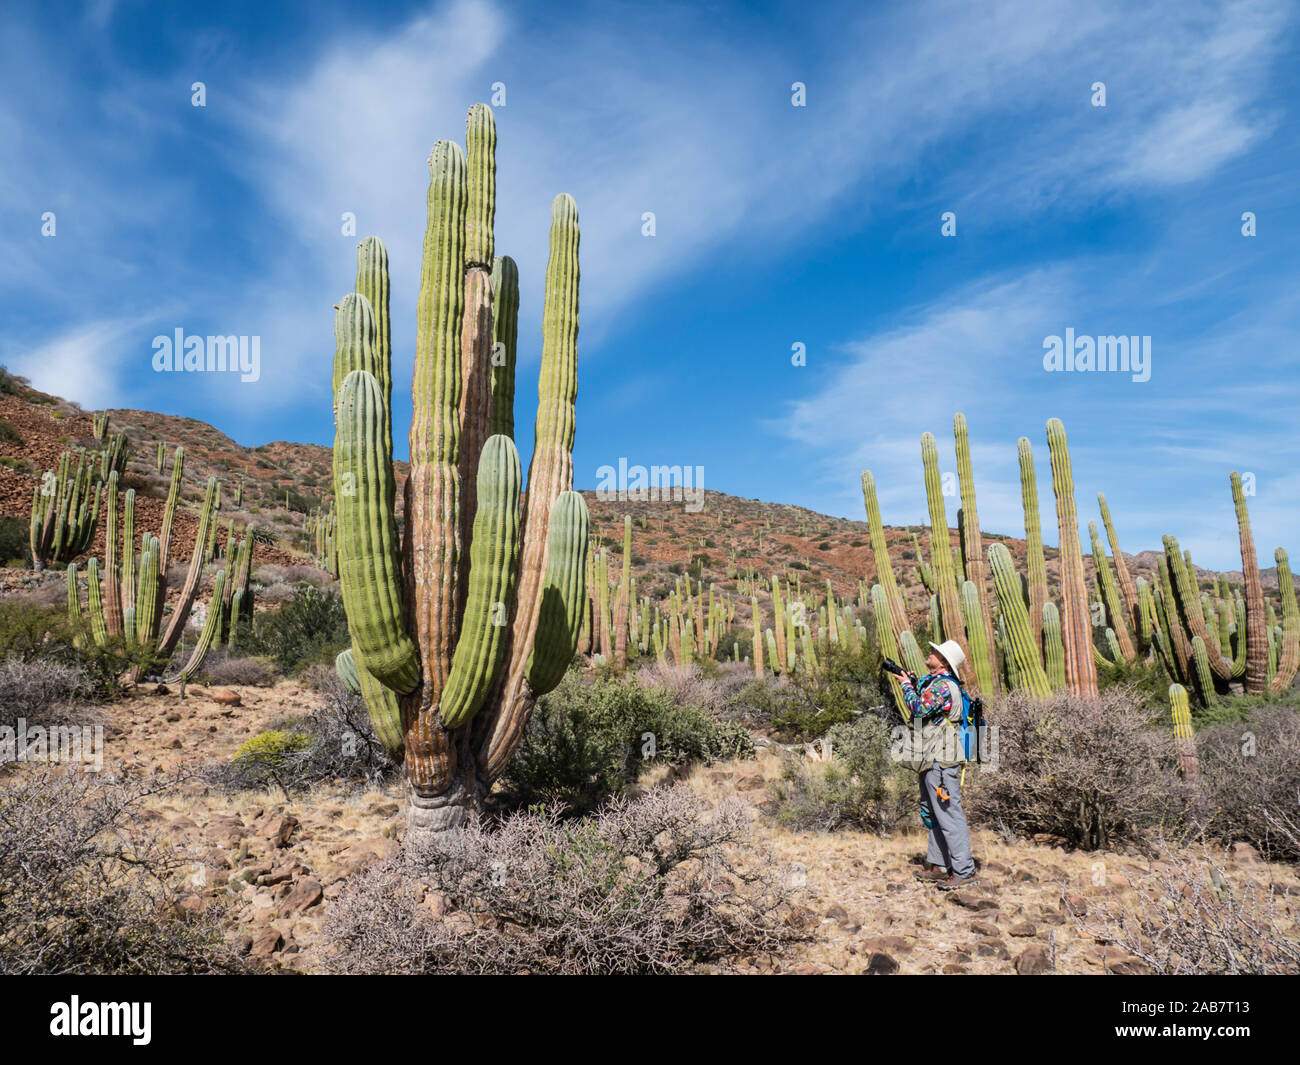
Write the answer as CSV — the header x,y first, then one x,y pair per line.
x,y
936,701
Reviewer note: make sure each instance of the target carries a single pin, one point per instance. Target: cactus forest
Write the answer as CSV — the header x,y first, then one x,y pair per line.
x,y
906,590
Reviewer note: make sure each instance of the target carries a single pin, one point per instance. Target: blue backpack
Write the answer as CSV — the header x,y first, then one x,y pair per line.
x,y
971,724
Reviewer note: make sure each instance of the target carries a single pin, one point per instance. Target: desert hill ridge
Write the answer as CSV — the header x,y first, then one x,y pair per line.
x,y
734,542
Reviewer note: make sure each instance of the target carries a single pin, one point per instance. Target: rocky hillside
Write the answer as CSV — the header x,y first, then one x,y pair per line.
x,y
729,542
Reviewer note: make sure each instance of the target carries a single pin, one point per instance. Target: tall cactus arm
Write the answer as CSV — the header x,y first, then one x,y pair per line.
x,y
1115,609
1192,610
494,552
1127,588
564,593
180,616
169,511
95,604
1184,738
372,285
1289,659
112,589
1021,649
549,474
1053,647
1256,631
368,568
941,551
983,655
432,542
973,550
880,554
1076,624
505,328
208,632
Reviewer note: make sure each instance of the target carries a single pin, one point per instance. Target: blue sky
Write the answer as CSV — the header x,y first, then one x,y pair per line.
x,y
775,225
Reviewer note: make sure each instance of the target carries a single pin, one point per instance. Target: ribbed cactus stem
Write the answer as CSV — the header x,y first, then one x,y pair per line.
x,y
941,552
494,551
208,633
1076,625
1192,610
1184,738
505,326
169,510
563,593
1127,589
369,571
624,596
1053,647
880,553
1110,596
981,650
1204,677
1256,633
973,551
1289,659
1021,649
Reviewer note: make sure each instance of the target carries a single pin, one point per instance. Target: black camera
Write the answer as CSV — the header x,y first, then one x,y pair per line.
x,y
890,666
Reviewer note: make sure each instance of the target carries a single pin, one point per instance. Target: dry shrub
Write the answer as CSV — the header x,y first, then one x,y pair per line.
x,y
1093,771
1250,778
270,574
1190,919
85,891
42,691
648,885
858,786
229,670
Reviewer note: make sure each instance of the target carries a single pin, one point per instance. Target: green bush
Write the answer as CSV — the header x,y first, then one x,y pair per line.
x,y
15,539
846,684
858,787
588,742
9,434
309,629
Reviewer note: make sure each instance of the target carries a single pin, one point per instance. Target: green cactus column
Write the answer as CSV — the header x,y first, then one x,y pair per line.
x,y
982,656
368,565
1289,659
1110,597
973,550
880,554
1076,625
1256,633
624,595
1184,738
1035,562
1127,588
1187,596
941,556
1021,650
1053,647
1204,677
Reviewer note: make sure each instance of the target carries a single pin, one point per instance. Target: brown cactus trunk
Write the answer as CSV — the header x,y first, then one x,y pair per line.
x,y
1256,617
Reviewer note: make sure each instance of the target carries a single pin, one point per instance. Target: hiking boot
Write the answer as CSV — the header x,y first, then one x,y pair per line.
x,y
952,883
932,875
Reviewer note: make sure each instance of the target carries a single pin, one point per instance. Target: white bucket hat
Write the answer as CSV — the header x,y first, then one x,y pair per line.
x,y
950,651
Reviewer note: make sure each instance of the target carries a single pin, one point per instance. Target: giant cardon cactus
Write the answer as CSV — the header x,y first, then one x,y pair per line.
x,y
456,639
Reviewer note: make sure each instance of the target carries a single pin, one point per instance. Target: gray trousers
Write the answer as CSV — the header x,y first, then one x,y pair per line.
x,y
949,837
